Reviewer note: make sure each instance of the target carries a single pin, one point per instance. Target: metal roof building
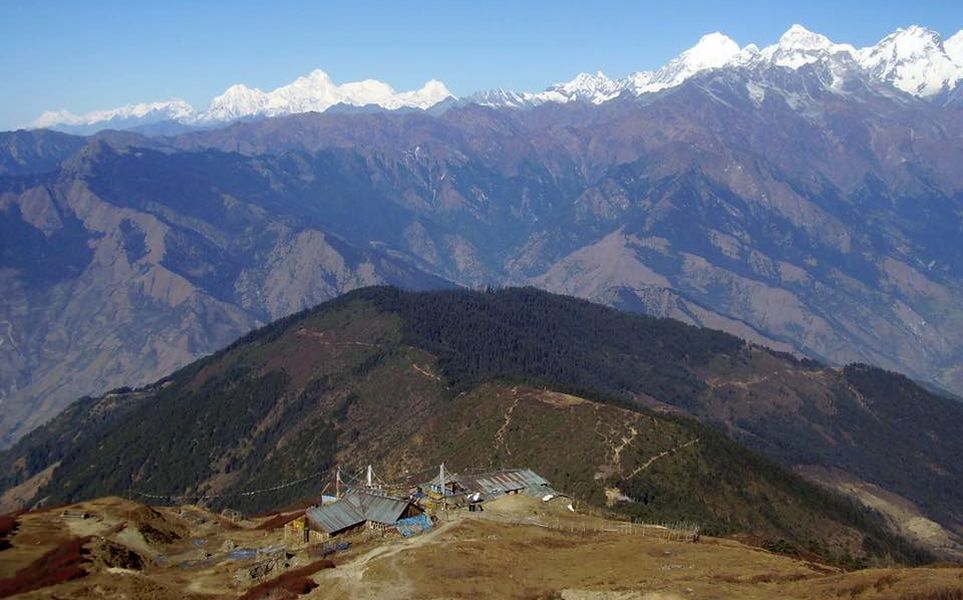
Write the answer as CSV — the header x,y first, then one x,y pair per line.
x,y
357,507
496,483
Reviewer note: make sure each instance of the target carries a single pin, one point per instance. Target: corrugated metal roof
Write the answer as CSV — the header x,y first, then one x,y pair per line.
x,y
378,508
496,483
358,506
335,517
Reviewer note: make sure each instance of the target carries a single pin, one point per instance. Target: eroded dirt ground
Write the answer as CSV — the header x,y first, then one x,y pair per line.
x,y
518,548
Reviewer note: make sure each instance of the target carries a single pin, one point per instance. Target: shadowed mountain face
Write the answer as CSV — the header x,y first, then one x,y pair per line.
x,y
125,266
41,151
479,380
816,217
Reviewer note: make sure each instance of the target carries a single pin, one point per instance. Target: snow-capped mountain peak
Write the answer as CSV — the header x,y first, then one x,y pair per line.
x,y
237,101
712,51
953,46
585,81
315,91
799,46
798,37
501,98
430,94
123,116
593,87
915,60
585,87
314,79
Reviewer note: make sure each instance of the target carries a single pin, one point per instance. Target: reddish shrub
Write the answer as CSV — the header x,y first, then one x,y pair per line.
x,y
8,524
278,521
944,594
297,505
63,563
289,585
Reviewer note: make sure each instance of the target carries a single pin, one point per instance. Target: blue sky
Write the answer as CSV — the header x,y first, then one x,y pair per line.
x,y
83,56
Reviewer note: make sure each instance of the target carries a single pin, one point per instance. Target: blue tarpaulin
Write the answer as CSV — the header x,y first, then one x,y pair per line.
x,y
413,525
196,564
241,554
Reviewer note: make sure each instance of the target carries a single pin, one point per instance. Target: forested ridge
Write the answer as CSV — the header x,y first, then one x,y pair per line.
x,y
354,380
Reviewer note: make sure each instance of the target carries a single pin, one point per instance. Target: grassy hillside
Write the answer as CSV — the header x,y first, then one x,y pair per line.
x,y
407,380
650,468
874,425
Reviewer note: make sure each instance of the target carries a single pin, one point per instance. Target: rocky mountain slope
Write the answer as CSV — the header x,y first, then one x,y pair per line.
x,y
107,286
406,380
768,203
41,151
791,199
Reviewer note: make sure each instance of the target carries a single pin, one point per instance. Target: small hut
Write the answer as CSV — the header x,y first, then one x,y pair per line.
x,y
357,510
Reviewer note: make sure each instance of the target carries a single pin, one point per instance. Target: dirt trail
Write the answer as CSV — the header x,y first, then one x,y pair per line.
x,y
324,335
425,372
493,555
717,383
355,569
500,434
649,462
626,442
348,578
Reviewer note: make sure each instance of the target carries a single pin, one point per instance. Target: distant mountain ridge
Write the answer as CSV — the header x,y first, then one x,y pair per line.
x,y
914,60
313,92
811,213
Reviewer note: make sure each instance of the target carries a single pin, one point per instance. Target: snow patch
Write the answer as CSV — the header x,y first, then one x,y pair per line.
x,y
756,92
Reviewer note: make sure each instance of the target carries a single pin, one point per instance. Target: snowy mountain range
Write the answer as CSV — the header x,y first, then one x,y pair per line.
x,y
915,60
313,92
